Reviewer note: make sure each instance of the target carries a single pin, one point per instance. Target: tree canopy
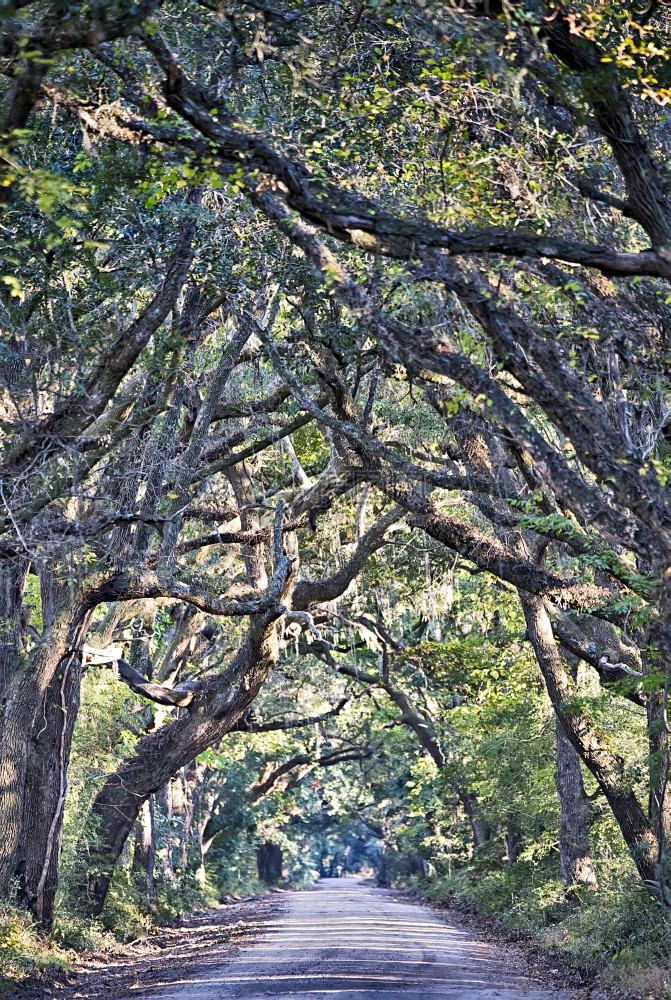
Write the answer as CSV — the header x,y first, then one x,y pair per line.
x,y
335,442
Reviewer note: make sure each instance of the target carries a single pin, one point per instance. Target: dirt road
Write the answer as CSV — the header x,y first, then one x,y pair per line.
x,y
353,942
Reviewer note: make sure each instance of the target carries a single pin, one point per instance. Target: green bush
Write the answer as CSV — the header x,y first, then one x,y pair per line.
x,y
617,932
517,896
23,949
129,915
175,897
81,933
126,914
619,926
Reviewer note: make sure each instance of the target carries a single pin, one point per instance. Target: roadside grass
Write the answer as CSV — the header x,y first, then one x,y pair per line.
x,y
27,951
617,935
24,950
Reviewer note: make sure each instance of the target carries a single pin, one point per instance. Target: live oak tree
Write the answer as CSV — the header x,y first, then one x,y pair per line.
x,y
467,202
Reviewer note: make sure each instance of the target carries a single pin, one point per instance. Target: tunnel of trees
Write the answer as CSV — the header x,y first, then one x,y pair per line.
x,y
336,438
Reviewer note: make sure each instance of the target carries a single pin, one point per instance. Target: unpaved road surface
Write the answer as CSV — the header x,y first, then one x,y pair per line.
x,y
345,941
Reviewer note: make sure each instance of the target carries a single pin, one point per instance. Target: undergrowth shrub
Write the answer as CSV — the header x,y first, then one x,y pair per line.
x,y
129,915
617,932
126,914
81,933
23,949
619,928
182,895
233,869
521,897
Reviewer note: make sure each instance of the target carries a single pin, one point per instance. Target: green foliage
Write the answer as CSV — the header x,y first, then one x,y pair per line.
x,y
522,897
468,125
620,924
128,914
23,949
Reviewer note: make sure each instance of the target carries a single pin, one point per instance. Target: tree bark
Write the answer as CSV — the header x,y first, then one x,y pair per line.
x,y
16,716
607,767
160,754
26,683
513,840
206,805
659,805
39,850
144,855
575,859
425,731
163,799
475,817
659,658
214,711
269,863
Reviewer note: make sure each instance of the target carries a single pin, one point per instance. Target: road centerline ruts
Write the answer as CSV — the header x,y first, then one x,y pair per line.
x,y
348,941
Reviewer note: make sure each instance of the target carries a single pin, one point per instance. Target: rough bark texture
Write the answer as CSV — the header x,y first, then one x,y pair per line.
x,y
475,817
513,842
39,850
161,754
659,805
659,659
607,767
26,680
16,714
575,859
144,855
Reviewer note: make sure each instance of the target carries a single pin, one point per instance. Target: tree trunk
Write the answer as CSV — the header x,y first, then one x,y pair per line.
x,y
475,817
39,851
659,805
194,779
164,802
206,805
269,863
512,840
608,768
213,712
17,713
575,859
425,731
161,754
144,855
27,708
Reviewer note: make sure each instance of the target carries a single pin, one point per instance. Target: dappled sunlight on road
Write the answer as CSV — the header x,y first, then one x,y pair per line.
x,y
349,941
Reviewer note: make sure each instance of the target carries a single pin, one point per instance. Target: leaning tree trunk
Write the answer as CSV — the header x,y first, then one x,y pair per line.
x,y
159,755
215,710
607,767
425,731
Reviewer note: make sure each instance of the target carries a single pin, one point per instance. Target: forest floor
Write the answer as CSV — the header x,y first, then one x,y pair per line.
x,y
201,943
341,937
